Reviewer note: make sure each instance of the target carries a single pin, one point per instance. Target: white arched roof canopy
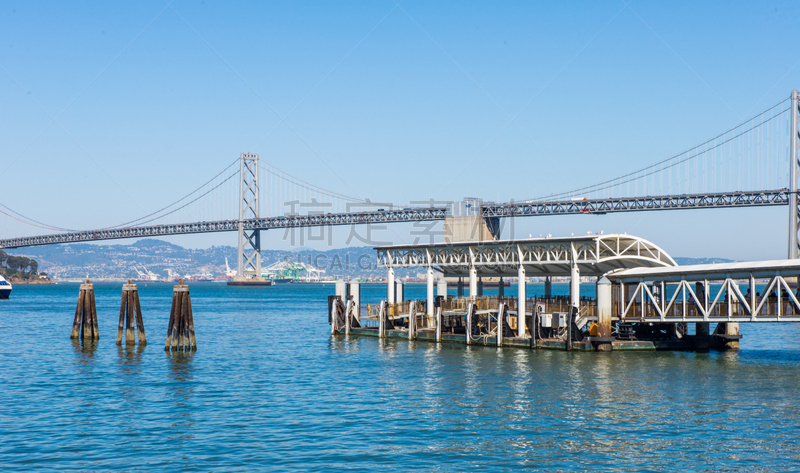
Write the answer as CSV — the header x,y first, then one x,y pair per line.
x,y
595,255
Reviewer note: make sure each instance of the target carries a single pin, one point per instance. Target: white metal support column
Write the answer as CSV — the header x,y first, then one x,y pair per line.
x,y
574,282
473,276
794,173
430,289
604,313
249,261
390,285
473,282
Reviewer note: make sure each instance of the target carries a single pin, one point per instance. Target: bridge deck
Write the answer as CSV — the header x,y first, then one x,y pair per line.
x,y
514,209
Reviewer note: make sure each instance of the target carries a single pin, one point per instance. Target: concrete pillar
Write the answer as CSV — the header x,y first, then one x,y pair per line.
x,y
548,289
521,302
441,288
355,291
575,287
473,282
604,313
460,288
341,290
399,293
390,285
731,328
501,290
480,287
701,336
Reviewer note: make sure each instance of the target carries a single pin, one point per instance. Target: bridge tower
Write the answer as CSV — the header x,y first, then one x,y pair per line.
x,y
249,261
794,174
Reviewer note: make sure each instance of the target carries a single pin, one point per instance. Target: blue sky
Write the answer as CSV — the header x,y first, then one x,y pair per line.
x,y
111,110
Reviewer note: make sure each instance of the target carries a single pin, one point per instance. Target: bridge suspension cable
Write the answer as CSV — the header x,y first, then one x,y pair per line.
x,y
280,174
753,151
158,213
284,194
30,221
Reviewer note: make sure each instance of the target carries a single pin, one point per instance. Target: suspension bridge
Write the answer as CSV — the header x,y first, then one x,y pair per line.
x,y
753,164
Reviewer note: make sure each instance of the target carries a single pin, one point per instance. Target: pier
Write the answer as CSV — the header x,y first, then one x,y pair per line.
x,y
644,300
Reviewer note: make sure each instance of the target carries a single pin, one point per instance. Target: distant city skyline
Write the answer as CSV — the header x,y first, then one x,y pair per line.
x,y
114,110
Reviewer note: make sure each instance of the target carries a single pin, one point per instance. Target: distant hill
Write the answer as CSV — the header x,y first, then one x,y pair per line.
x,y
685,261
78,260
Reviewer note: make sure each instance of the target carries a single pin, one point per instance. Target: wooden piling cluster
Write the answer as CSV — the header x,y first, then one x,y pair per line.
x,y
180,332
84,326
130,316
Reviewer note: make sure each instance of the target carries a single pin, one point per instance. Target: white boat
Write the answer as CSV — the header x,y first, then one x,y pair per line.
x,y
5,288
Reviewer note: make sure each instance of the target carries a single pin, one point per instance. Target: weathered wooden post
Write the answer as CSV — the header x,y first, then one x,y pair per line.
x,y
84,326
180,332
132,309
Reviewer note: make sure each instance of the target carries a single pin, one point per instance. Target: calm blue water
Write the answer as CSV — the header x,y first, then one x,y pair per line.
x,y
269,389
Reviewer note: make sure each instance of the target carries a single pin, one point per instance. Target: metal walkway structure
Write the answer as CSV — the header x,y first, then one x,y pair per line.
x,y
727,292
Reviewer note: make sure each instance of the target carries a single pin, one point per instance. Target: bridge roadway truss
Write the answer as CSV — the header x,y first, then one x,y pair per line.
x,y
521,209
633,204
266,223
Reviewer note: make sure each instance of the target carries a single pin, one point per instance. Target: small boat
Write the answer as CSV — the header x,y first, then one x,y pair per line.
x,y
5,288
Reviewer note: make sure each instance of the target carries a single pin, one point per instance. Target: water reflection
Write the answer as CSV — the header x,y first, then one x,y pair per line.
x,y
130,367
85,352
129,358
180,366
180,389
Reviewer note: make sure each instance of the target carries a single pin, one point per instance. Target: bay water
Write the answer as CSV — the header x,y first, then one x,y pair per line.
x,y
269,389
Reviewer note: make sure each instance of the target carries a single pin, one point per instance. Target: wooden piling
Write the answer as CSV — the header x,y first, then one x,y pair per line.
x,y
139,320
190,325
122,311
76,324
130,334
130,316
180,332
84,325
